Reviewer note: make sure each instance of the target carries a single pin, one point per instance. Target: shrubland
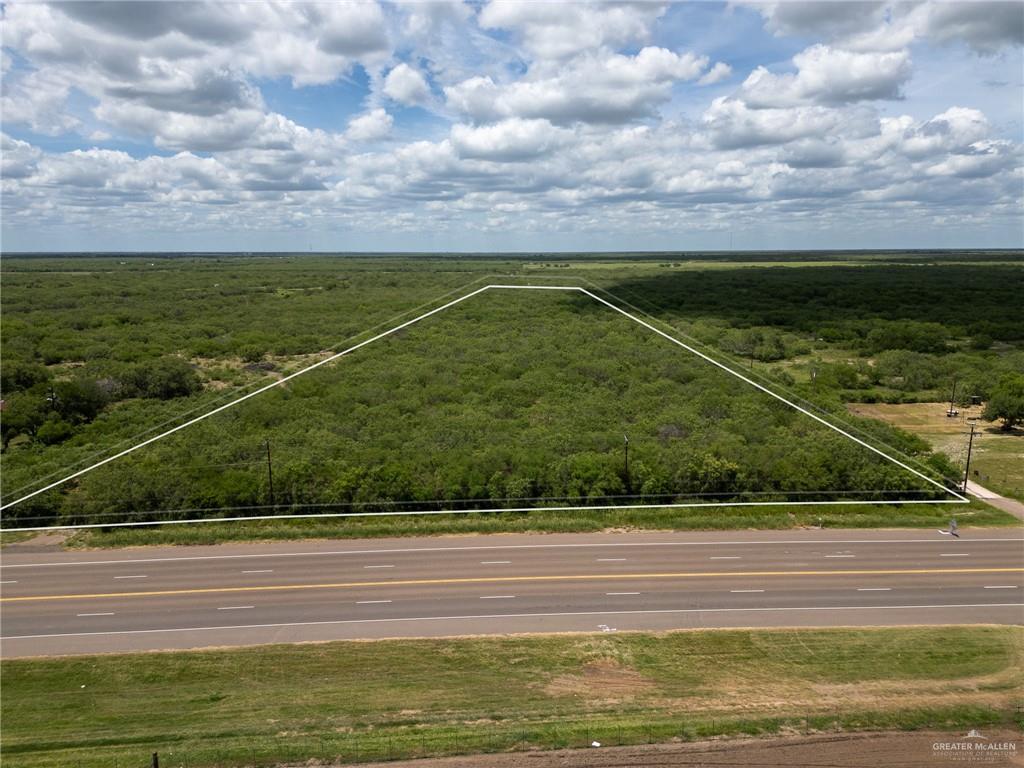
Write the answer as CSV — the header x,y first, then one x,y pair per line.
x,y
522,400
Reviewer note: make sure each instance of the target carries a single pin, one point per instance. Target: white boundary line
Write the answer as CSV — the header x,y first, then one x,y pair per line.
x,y
958,500
486,547
485,511
767,391
641,313
224,407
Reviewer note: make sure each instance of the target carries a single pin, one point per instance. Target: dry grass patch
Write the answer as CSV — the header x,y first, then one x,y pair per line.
x,y
604,681
997,460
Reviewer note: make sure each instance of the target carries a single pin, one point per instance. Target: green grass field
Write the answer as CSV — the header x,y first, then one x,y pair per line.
x,y
368,700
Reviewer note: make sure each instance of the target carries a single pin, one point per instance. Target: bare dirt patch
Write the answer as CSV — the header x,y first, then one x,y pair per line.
x,y
602,680
45,541
915,749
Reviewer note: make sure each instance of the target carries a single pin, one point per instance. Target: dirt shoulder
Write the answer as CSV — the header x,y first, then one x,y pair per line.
x,y
996,747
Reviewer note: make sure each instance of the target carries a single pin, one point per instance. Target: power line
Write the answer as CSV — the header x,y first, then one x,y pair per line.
x,y
479,504
449,304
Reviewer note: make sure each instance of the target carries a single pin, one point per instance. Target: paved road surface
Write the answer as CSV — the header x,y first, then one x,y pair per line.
x,y
190,597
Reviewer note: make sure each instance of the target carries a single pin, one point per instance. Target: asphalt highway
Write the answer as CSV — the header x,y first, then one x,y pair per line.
x,y
59,602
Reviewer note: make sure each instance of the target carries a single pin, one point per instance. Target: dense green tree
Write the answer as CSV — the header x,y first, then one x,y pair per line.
x,y
18,375
981,341
251,353
54,430
23,413
78,400
1007,401
913,336
164,379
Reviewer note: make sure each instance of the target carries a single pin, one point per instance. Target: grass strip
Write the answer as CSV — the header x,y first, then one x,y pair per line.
x,y
541,521
362,701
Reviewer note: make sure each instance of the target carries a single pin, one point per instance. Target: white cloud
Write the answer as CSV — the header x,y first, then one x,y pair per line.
x,y
831,19
814,153
406,85
512,140
986,26
427,19
985,158
826,75
374,125
595,88
37,100
954,130
231,129
18,159
348,29
476,97
552,30
731,123
558,119
716,74
179,72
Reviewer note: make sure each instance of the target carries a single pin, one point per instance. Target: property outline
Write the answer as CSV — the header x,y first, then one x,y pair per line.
x,y
959,499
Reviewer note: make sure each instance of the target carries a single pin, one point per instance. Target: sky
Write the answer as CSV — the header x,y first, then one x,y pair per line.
x,y
511,126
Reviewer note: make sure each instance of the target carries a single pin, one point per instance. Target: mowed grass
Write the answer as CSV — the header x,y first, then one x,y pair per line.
x,y
999,462
997,459
542,521
365,700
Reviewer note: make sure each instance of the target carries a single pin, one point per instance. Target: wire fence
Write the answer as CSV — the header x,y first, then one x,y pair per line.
x,y
368,747
415,742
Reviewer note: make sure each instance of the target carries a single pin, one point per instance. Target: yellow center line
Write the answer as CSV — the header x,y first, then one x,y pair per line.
x,y
505,579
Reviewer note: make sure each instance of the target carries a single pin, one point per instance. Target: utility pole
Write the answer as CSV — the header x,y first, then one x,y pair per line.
x,y
51,398
629,485
952,399
967,469
270,476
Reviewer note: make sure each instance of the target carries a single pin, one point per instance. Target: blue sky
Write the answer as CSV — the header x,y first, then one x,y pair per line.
x,y
512,125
